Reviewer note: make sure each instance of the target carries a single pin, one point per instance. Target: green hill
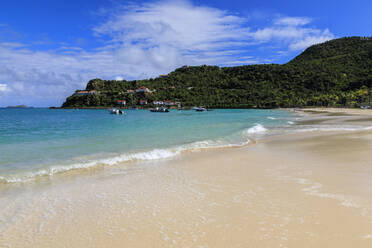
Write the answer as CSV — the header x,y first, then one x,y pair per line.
x,y
334,73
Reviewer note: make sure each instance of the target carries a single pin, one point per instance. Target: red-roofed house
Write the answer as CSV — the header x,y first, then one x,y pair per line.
x,y
122,102
143,102
130,91
143,89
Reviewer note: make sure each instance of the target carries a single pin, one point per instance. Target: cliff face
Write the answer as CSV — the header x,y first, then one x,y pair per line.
x,y
337,72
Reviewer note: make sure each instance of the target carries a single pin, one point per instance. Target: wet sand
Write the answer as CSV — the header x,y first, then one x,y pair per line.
x,y
346,111
310,189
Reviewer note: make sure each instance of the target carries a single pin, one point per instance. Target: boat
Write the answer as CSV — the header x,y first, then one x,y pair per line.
x,y
159,109
200,109
115,111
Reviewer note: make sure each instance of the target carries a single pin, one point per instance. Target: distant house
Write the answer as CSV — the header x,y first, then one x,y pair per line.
x,y
169,103
143,102
82,92
158,102
122,102
163,75
130,91
85,92
171,87
143,89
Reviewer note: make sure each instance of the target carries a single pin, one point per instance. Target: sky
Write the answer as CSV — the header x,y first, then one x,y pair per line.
x,y
50,48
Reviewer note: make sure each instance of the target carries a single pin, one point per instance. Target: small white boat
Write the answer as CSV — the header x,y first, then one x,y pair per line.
x,y
200,109
115,111
161,109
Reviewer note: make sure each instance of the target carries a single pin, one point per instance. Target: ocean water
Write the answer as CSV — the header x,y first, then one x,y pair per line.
x,y
42,142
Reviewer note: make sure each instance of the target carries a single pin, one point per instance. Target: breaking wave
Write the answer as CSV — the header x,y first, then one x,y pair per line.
x,y
155,154
258,128
243,138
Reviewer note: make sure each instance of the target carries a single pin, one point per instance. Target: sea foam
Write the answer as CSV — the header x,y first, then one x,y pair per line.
x,y
258,128
155,154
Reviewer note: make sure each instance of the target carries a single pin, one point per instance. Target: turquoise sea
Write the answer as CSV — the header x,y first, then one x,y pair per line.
x,y
42,142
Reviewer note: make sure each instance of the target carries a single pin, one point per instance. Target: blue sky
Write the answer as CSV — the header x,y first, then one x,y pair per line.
x,y
49,48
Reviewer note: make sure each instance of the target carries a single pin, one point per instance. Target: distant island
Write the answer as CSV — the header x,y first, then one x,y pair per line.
x,y
19,106
334,73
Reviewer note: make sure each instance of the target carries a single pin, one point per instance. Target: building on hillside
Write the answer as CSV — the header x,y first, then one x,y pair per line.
x,y
143,102
169,103
85,92
130,91
122,102
143,89
158,102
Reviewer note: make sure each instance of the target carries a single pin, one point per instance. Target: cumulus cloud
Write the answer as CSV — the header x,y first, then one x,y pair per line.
x,y
175,24
144,41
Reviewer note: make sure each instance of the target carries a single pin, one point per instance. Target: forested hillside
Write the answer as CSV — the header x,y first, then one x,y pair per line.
x,y
334,73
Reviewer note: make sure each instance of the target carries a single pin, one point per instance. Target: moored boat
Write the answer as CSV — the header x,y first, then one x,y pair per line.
x,y
200,109
115,111
159,109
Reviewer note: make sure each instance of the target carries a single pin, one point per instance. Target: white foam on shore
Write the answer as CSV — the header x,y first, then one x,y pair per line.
x,y
330,129
155,154
245,137
315,189
258,128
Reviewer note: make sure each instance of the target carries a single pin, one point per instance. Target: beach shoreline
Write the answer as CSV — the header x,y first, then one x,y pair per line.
x,y
350,111
306,189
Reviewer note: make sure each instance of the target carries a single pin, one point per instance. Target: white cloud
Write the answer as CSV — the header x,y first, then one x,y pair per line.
x,y
293,31
167,31
4,88
309,40
144,41
293,21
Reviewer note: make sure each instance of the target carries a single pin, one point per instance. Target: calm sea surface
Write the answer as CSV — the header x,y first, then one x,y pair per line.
x,y
39,142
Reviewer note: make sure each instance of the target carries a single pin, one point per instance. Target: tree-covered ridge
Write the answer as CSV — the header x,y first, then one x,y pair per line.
x,y
334,73
335,48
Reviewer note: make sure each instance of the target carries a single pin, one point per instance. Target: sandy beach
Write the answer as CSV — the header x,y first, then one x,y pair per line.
x,y
309,189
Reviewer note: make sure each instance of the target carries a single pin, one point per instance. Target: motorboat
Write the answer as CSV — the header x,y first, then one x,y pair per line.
x,y
115,111
159,109
200,109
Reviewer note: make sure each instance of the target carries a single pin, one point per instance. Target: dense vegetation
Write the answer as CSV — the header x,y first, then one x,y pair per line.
x,y
335,73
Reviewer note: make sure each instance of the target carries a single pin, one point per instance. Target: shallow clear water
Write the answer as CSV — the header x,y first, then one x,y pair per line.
x,y
37,142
